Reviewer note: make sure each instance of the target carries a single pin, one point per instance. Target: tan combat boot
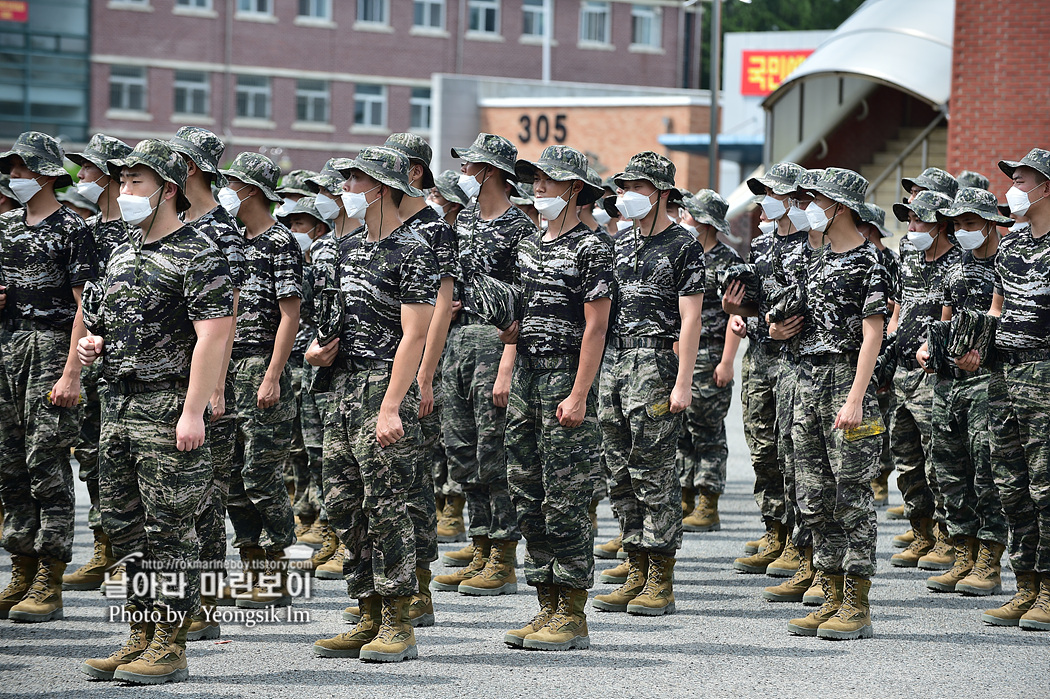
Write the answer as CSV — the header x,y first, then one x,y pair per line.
x,y
548,599
617,575
776,540
450,526
794,590
754,546
880,488
314,536
942,555
23,568
965,550
657,596
301,528
808,625
203,626
852,620
332,569
349,643
270,588
138,641
463,556
616,601
610,548
688,501
450,581
705,517
567,628
396,639
90,575
923,544
164,660
986,576
498,576
421,608
1010,613
814,596
903,541
895,512
329,547
1037,618
43,601
787,563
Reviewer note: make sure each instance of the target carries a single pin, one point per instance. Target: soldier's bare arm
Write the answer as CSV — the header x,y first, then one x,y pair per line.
x,y
690,308
270,390
218,397
66,391
204,372
724,371
573,409
415,321
436,336
501,389
852,413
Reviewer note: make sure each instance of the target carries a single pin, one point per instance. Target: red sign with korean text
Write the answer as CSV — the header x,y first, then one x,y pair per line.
x,y
14,11
763,71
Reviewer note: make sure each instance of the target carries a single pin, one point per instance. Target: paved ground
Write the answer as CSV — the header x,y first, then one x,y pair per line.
x,y
725,639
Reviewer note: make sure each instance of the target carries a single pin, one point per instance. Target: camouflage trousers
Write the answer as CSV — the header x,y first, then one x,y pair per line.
x,y
639,437
834,474
550,470
258,504
758,377
86,449
366,486
422,502
886,406
308,432
296,463
600,470
1019,415
961,456
474,427
151,494
434,441
702,449
36,478
786,400
211,522
910,443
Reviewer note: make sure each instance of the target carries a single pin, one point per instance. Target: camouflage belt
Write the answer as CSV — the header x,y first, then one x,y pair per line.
x,y
465,318
548,363
131,388
1014,358
618,342
17,324
351,364
830,358
246,351
910,363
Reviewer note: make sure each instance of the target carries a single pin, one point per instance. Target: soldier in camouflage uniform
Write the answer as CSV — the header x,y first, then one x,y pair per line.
x,y
702,449
46,256
8,201
932,179
552,428
387,283
294,186
267,322
659,275
477,369
108,231
959,450
969,178
836,420
160,326
923,268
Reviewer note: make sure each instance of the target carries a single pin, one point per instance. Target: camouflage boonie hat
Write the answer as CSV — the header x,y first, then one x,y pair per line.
x,y
5,188
100,150
782,178
973,200
839,185
1037,159
969,178
416,149
561,164
525,195
256,169
610,184
447,185
158,156
330,179
807,178
935,179
385,166
295,183
491,150
876,216
707,206
308,206
497,302
203,147
41,153
71,196
925,206
654,169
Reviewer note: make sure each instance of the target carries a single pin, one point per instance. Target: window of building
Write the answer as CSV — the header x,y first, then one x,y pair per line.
x,y
532,18
595,22
419,107
195,4
254,7
192,90
315,9
372,11
645,25
370,106
253,97
429,14
484,16
127,88
312,100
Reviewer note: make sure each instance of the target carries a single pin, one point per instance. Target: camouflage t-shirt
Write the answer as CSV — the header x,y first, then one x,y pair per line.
x,y
274,262
151,298
921,297
762,249
376,278
221,229
713,319
558,277
651,273
42,263
307,328
790,254
1022,270
488,247
969,283
108,236
842,289
436,231
891,260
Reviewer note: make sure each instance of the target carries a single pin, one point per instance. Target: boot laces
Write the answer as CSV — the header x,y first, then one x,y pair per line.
x,y
801,575
18,579
827,586
38,590
134,639
391,625
163,634
1042,602
560,615
849,598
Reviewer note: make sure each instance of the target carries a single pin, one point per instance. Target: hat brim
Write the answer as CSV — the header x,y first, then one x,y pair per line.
x,y
854,206
628,176
959,211
294,190
38,165
382,177
182,203
758,185
476,156
526,172
247,179
451,195
900,212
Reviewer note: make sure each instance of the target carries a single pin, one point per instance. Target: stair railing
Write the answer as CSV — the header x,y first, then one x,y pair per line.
x,y
898,163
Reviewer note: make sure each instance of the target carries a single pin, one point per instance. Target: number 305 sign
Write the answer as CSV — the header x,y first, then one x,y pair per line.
x,y
543,128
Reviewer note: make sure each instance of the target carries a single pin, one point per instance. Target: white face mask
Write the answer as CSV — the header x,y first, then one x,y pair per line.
x,y
601,215
692,229
287,206
767,226
229,200
551,207
91,190
24,188
356,203
303,239
1018,226
772,208
798,218
326,206
818,219
922,240
134,209
1018,200
438,208
470,185
623,225
633,205
970,240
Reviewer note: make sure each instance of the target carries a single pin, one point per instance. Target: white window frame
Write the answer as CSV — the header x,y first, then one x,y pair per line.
x,y
253,11
647,19
429,5
421,105
538,13
317,96
370,100
384,9
191,5
190,87
127,83
483,7
589,13
319,10
253,92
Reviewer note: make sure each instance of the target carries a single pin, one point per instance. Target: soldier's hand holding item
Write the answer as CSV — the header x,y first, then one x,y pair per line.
x,y
788,329
318,355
